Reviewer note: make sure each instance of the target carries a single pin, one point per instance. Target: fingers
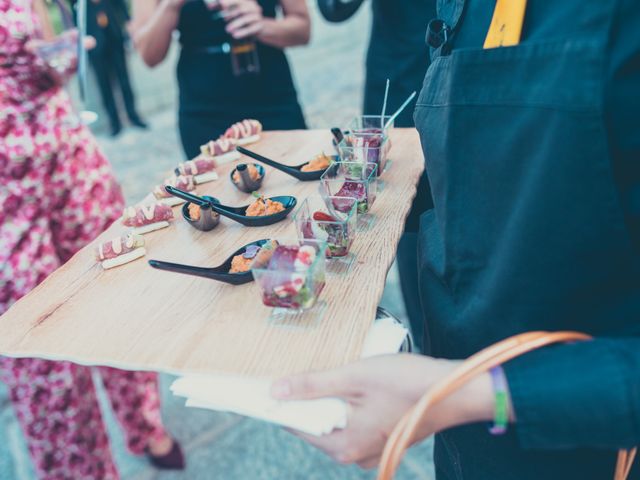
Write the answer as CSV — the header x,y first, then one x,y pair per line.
x,y
340,448
228,4
333,444
89,42
243,21
332,383
252,27
232,9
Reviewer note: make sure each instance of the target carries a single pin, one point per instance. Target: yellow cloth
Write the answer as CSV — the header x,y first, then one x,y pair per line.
x,y
506,24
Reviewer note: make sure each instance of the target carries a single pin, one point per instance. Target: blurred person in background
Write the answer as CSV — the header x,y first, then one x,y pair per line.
x,y
106,21
214,92
58,193
398,52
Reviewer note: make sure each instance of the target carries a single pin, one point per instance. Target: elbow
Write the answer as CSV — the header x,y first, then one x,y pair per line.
x,y
305,38
151,60
149,57
305,33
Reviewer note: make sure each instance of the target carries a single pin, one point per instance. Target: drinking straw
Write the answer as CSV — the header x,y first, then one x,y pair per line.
x,y
87,117
399,111
384,104
82,51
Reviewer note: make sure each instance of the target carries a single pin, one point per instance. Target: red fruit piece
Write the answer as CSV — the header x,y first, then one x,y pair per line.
x,y
323,217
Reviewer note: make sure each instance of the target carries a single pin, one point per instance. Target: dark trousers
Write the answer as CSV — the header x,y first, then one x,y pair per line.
x,y
109,63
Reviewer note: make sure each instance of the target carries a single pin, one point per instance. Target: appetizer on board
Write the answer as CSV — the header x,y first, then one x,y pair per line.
x,y
366,148
253,257
337,233
244,132
121,250
319,162
183,182
253,173
293,278
147,218
202,168
263,207
222,150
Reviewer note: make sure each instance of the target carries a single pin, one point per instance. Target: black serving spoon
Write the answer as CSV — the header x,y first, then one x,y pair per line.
x,y
238,214
295,171
219,273
209,218
338,136
246,183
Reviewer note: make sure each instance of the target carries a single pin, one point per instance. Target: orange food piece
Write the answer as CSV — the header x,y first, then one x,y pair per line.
x,y
194,211
253,173
321,162
262,207
240,264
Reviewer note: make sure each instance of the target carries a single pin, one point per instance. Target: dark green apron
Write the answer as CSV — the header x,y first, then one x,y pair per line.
x,y
527,231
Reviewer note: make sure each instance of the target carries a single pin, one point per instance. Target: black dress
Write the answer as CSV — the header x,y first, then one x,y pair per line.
x,y
212,97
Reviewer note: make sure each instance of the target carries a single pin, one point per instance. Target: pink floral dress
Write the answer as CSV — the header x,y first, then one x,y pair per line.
x,y
57,193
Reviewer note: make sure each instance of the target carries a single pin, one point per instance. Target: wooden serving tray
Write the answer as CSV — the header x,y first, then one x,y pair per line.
x,y
136,317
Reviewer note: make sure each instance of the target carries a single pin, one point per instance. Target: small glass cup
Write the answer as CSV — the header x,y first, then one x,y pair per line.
x,y
350,179
370,125
317,219
365,149
294,277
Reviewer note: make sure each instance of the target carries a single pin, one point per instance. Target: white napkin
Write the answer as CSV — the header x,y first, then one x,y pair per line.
x,y
250,396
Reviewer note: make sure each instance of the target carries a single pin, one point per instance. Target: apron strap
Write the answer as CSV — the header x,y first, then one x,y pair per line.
x,y
506,24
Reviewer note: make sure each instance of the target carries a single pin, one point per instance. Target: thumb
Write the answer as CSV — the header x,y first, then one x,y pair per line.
x,y
332,383
89,42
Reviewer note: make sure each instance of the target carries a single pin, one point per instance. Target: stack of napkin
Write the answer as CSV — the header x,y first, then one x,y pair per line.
x,y
251,397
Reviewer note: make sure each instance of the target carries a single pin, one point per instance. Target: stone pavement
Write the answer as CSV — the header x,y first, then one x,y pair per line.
x,y
329,75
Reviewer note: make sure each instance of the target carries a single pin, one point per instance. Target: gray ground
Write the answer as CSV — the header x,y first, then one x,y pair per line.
x,y
329,75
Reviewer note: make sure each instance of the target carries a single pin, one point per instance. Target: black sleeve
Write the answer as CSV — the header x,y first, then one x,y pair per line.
x,y
585,394
338,10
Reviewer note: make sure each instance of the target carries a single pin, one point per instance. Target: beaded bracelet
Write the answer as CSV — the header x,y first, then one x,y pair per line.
x,y
501,409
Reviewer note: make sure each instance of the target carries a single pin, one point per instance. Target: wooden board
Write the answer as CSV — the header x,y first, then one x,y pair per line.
x,y
137,317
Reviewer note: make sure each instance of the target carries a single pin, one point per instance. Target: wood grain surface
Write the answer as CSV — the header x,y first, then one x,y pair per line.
x,y
136,317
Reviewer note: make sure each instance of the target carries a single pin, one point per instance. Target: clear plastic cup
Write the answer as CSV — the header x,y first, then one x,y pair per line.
x,y
295,275
351,179
317,219
365,149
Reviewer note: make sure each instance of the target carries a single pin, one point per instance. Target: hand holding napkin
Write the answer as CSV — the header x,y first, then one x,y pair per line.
x,y
251,397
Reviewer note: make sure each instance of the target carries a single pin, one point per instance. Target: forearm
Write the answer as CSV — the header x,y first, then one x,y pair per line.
x,y
45,22
152,37
285,32
472,403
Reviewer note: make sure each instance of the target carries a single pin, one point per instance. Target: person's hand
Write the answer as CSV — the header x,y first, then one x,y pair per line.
x,y
244,18
60,55
379,391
